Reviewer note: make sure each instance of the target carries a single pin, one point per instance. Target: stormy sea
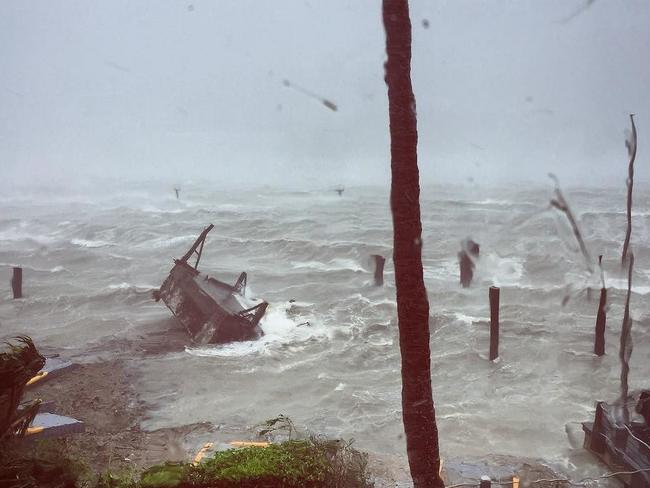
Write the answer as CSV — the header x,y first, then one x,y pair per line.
x,y
330,358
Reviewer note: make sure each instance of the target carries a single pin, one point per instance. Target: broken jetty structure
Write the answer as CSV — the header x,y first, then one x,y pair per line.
x,y
212,311
623,447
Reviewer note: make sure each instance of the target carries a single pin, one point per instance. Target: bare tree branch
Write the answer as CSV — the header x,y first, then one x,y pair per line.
x,y
561,204
583,8
625,351
630,143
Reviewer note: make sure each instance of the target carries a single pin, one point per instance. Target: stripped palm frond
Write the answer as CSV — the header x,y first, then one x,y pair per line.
x,y
20,362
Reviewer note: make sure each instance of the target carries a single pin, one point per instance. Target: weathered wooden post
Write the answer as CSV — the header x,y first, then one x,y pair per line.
x,y
469,252
494,323
643,406
598,442
17,282
601,320
379,269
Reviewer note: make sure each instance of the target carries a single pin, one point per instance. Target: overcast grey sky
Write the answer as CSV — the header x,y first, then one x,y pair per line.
x,y
185,89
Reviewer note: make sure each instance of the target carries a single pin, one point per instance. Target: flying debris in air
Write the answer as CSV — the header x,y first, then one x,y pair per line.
x,y
329,104
584,7
116,66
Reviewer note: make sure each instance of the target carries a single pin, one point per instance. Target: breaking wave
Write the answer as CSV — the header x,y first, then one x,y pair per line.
x,y
279,330
90,243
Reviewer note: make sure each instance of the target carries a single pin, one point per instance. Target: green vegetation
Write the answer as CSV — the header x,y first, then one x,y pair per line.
x,y
309,463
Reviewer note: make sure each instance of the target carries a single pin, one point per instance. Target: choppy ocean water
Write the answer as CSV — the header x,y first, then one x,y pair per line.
x,y
92,257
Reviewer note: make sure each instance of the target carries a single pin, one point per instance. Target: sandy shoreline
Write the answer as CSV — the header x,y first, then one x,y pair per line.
x,y
102,395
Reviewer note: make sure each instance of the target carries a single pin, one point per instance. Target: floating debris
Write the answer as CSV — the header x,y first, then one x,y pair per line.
x,y
47,425
212,311
53,367
625,447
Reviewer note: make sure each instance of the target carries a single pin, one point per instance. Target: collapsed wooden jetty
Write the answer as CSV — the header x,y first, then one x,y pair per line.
x,y
212,311
624,447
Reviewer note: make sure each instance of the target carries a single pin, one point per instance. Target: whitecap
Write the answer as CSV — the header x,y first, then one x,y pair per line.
x,y
336,264
164,242
502,271
152,209
129,286
621,284
56,269
469,319
279,329
490,201
90,243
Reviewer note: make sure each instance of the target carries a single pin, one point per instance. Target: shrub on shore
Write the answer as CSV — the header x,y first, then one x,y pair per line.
x,y
309,463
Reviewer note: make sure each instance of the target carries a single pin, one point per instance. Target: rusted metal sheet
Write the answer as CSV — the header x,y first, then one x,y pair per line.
x,y
212,311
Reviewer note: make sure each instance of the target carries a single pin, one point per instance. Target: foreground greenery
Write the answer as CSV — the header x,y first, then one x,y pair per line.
x,y
295,463
311,463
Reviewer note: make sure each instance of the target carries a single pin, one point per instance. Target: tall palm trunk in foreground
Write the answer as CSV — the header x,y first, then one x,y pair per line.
x,y
412,304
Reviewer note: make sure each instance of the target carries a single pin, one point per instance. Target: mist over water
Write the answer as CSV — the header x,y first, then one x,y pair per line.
x,y
92,258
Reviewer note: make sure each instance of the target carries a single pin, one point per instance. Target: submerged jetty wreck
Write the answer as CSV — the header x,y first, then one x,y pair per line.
x,y
212,311
623,447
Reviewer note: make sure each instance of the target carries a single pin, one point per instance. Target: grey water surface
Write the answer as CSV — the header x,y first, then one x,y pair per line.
x,y
91,259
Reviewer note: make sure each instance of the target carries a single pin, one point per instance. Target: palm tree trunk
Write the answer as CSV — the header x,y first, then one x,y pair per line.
x,y
412,304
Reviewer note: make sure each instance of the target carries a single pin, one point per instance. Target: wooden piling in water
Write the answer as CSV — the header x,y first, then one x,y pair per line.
x,y
601,321
469,252
17,282
379,269
494,323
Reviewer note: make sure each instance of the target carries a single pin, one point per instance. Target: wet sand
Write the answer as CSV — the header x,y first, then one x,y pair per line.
x,y
102,395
